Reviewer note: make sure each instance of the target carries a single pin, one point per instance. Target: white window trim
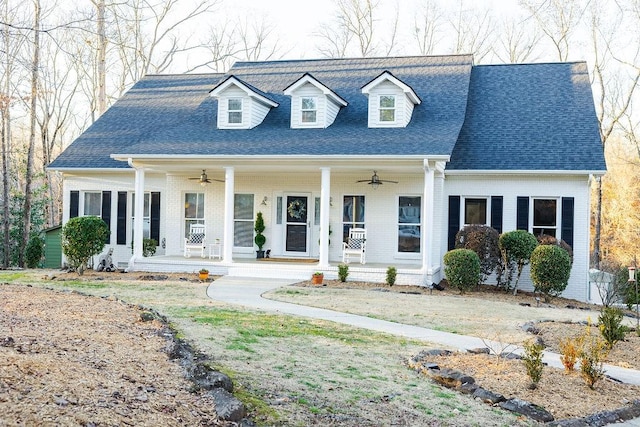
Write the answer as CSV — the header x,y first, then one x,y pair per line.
x,y
241,111
303,110
394,109
558,214
131,195
409,255
244,249
84,195
202,220
463,210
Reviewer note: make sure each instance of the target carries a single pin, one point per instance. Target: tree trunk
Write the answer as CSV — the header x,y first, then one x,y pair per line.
x,y
598,226
102,53
32,137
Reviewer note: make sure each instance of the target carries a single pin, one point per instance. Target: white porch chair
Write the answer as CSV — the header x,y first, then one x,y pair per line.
x,y
355,245
196,240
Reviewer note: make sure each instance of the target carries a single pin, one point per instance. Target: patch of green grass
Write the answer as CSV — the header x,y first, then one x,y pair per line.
x,y
290,292
12,276
262,325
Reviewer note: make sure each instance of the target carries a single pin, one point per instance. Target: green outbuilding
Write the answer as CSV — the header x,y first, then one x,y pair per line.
x,y
53,247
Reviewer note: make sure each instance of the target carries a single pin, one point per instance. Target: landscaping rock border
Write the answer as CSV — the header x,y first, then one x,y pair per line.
x,y
466,384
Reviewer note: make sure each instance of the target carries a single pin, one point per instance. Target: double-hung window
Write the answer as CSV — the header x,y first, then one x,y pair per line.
x,y
387,108
243,221
409,216
234,108
92,203
352,214
193,210
545,217
475,211
309,110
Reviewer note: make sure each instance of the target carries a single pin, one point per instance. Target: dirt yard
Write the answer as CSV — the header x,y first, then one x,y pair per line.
x,y
83,360
70,359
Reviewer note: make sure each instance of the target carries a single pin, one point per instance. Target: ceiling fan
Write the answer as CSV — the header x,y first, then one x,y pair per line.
x,y
375,180
204,180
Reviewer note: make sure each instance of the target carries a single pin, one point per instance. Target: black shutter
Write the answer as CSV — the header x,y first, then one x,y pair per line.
x,y
496,213
106,212
522,214
567,220
454,220
74,204
155,216
121,224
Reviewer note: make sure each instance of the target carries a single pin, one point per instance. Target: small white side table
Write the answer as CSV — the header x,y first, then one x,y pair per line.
x,y
215,250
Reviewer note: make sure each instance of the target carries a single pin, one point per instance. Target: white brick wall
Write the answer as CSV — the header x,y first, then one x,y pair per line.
x,y
510,187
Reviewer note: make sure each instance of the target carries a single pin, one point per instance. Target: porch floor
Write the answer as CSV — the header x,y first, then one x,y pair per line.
x,y
296,270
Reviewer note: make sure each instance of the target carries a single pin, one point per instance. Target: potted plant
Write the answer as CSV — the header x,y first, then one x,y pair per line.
x,y
317,278
260,239
203,274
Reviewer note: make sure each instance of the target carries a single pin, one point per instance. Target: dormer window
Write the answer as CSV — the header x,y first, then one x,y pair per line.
x,y
309,110
313,105
235,111
387,108
391,101
240,105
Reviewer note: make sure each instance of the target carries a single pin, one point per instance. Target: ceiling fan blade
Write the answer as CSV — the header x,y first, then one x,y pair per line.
x,y
386,180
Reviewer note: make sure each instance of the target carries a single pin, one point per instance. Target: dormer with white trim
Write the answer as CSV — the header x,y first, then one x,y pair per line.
x,y
240,105
391,101
313,105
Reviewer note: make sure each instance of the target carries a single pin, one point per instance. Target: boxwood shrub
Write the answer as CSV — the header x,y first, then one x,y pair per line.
x,y
550,270
462,269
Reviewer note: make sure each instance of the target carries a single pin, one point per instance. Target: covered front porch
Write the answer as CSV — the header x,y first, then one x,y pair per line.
x,y
296,270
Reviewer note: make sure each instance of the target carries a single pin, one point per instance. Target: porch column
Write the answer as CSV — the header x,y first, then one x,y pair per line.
x,y
229,185
138,214
428,209
325,191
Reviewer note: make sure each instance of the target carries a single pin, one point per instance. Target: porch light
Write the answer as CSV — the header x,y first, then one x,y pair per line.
x,y
264,201
203,183
632,274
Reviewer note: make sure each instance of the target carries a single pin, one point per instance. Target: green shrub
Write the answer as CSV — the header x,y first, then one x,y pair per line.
x,y
343,272
34,252
592,357
83,237
550,270
462,269
149,247
545,239
392,272
610,325
516,248
483,240
532,359
259,227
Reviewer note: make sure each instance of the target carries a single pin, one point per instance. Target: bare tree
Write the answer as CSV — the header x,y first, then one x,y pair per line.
x,y
427,27
35,65
615,97
473,31
357,23
518,42
557,19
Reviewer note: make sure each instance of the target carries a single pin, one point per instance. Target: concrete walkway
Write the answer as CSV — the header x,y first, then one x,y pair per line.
x,y
248,292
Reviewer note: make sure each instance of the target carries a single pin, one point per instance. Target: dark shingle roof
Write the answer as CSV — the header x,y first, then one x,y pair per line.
x,y
529,117
176,115
518,117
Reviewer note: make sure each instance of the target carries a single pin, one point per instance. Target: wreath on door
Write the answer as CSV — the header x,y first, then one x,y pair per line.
x,y
296,209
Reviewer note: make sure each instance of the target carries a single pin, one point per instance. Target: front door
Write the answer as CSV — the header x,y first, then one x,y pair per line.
x,y
296,219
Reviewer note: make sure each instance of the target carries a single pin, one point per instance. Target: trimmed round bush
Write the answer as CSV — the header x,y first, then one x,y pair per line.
x,y
462,269
83,237
550,270
483,240
545,239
